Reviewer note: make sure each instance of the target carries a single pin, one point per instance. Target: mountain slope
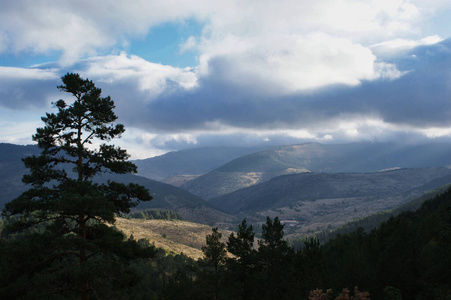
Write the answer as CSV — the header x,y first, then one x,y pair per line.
x,y
196,161
285,190
165,196
375,220
12,170
175,236
312,202
410,252
334,158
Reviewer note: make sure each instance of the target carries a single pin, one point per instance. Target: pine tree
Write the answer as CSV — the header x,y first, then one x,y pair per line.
x,y
242,244
275,257
65,197
215,253
240,267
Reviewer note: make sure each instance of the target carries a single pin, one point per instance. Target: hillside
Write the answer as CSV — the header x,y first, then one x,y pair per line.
x,y
261,166
172,235
312,202
375,220
287,190
12,170
191,162
409,253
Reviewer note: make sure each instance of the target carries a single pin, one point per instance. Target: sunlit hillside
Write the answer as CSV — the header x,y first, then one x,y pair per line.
x,y
173,235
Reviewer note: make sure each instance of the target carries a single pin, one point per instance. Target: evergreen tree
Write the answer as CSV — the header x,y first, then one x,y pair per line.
x,y
215,253
275,258
76,242
214,250
309,266
240,267
242,245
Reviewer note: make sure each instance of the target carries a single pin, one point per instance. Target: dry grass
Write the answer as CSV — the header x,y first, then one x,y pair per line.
x,y
173,235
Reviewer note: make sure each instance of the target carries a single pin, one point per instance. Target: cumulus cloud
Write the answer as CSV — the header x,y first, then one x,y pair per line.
x,y
149,77
287,64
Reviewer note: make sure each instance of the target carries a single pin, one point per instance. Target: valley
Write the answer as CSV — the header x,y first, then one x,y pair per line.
x,y
311,187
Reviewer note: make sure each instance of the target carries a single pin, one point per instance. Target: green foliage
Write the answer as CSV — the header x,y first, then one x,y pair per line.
x,y
76,253
155,214
242,245
242,266
409,252
214,250
215,253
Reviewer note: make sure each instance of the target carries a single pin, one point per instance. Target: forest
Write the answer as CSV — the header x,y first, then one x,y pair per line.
x,y
407,257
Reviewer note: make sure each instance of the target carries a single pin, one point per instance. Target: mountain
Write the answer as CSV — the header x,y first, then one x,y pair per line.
x,y
375,220
12,170
197,161
165,196
311,202
261,166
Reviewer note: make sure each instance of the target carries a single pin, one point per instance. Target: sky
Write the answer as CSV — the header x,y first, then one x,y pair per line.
x,y
201,73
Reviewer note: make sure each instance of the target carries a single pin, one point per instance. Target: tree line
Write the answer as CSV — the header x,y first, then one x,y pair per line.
x,y
406,257
155,214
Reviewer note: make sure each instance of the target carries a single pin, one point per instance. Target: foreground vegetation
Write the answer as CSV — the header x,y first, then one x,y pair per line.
x,y
408,256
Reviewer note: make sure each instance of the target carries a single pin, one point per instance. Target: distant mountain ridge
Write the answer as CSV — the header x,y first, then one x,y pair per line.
x,y
264,165
196,161
312,202
291,189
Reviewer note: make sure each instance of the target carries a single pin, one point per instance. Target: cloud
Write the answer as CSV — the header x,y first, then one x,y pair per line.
x,y
269,71
171,107
24,88
150,78
82,28
287,64
394,47
416,95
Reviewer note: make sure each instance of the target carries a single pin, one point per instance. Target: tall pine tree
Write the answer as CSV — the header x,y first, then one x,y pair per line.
x,y
75,243
275,256
240,267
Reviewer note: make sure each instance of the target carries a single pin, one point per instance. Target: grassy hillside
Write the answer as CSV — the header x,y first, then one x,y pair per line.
x,y
173,235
